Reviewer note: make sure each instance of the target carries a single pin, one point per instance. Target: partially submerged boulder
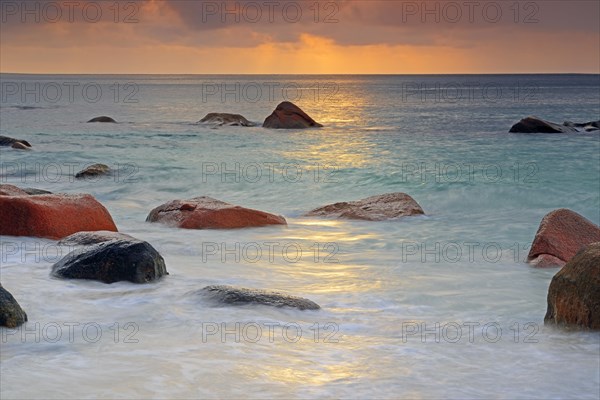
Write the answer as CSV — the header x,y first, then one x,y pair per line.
x,y
574,292
102,119
93,170
208,213
52,216
11,313
289,116
220,119
14,143
561,234
533,124
113,261
239,296
374,208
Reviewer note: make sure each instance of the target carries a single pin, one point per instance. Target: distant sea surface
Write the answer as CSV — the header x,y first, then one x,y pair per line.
x,y
435,306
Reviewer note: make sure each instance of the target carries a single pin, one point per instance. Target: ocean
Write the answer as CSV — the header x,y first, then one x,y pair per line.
x,y
435,306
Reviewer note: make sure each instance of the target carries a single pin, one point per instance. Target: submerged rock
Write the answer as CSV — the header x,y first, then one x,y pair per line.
x,y
237,296
374,208
289,116
93,237
14,143
93,170
586,126
574,292
220,119
208,213
102,119
11,313
52,216
562,233
113,261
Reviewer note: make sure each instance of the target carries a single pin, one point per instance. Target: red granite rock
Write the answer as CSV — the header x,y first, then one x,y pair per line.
x,y
374,208
208,213
289,116
562,233
51,216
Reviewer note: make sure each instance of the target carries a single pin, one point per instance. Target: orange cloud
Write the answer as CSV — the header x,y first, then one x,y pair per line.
x,y
171,37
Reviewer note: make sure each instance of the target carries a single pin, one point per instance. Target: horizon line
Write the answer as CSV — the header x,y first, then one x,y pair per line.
x,y
311,74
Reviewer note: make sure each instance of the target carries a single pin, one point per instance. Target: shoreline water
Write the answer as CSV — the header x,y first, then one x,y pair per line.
x,y
476,183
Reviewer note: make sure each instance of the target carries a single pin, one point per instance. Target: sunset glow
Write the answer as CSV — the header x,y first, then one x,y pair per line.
x,y
352,37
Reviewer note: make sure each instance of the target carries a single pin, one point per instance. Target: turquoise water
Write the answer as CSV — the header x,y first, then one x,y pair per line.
x,y
383,287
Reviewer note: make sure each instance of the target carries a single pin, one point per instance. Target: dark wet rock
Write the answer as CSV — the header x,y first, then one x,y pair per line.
x,y
374,208
33,191
289,116
538,125
102,119
208,213
52,216
220,119
93,237
574,292
533,124
238,296
93,170
11,313
561,234
113,261
14,143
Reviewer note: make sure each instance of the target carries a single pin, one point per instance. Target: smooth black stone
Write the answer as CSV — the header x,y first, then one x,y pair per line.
x,y
102,119
113,261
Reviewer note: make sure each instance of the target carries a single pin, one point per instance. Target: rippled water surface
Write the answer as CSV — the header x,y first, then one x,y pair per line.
x,y
440,305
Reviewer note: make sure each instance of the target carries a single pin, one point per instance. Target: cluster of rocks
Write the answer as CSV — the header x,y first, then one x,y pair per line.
x,y
106,255
43,214
568,240
564,238
287,115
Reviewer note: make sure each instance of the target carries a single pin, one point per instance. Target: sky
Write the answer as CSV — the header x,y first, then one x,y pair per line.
x,y
299,37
